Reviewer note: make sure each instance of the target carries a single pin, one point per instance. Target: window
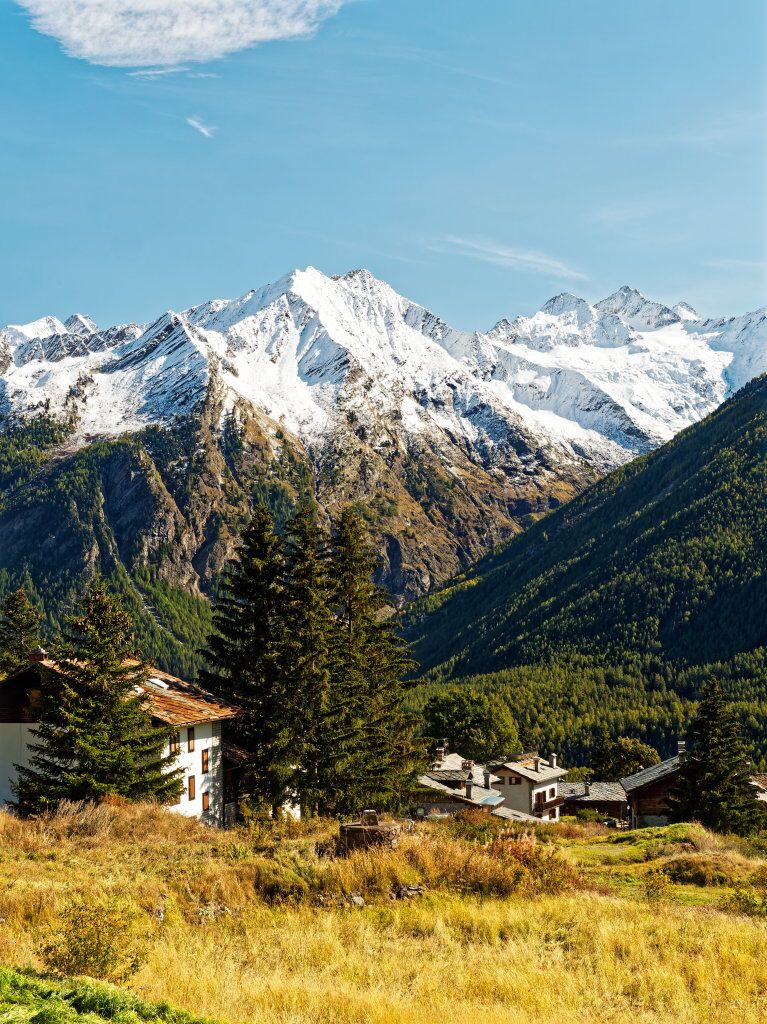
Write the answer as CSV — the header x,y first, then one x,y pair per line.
x,y
205,762
190,740
552,815
206,801
175,743
192,786
514,780
552,793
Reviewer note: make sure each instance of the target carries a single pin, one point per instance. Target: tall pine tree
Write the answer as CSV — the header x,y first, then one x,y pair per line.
x,y
368,664
95,738
243,659
714,786
19,632
304,659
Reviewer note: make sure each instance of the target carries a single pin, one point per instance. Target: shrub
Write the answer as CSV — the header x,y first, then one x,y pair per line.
x,y
656,887
473,826
588,814
702,869
746,900
96,938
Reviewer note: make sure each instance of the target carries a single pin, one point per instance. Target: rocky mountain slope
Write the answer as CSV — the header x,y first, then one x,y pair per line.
x,y
141,447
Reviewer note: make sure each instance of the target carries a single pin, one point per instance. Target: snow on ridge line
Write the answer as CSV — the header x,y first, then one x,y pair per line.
x,y
306,346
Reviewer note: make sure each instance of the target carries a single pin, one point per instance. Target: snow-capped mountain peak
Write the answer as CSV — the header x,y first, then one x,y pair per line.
x,y
45,327
685,311
566,302
79,323
636,311
599,382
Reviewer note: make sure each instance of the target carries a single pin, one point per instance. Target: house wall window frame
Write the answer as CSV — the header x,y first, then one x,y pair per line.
x,y
205,757
190,740
191,787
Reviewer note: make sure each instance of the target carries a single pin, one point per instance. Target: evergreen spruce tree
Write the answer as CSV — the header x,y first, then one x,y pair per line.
x,y
95,737
19,632
243,659
714,786
316,720
376,755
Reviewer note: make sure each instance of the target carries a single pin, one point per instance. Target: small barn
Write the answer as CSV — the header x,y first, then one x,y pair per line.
x,y
648,790
606,798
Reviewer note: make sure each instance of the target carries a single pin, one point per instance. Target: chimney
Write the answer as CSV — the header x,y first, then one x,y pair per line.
x,y
487,778
681,749
553,759
440,754
537,764
37,655
446,745
468,788
587,789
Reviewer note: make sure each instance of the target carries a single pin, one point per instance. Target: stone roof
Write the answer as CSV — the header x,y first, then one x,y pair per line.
x,y
598,792
651,774
480,796
446,775
524,765
455,763
167,698
511,815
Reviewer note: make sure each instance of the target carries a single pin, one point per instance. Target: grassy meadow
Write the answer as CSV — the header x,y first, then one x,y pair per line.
x,y
263,924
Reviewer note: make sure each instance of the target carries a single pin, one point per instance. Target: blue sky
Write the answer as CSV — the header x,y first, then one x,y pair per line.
x,y
480,156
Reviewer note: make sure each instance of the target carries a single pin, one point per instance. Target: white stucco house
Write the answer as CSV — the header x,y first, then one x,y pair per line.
x,y
196,720
529,783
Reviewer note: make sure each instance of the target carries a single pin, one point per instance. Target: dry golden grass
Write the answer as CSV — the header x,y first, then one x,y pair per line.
x,y
216,947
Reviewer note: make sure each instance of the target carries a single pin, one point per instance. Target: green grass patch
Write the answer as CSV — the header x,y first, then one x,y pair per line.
x,y
27,998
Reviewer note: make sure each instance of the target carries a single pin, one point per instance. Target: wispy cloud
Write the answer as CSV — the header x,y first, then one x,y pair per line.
x,y
158,33
738,266
208,130
150,73
488,251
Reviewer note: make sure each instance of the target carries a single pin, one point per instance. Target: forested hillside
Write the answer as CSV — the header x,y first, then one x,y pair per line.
x,y
626,598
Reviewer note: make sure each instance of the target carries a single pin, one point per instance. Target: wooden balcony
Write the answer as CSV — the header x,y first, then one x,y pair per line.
x,y
548,805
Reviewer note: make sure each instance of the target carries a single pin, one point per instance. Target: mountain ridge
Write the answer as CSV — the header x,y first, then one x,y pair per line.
x,y
532,370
